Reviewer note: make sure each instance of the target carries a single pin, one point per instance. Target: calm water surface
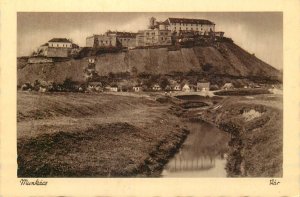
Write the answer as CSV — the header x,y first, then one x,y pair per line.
x,y
201,155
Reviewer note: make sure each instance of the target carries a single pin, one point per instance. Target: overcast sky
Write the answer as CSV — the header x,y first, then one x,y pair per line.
x,y
257,32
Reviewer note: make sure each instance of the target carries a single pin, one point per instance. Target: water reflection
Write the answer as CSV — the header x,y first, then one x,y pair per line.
x,y
200,163
202,154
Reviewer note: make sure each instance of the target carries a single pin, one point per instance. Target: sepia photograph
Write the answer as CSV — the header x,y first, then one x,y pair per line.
x,y
149,94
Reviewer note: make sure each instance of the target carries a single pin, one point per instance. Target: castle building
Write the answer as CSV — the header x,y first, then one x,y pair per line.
x,y
126,39
153,37
101,40
178,25
112,38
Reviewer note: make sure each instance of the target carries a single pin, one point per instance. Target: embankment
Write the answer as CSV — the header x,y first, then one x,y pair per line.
x,y
256,129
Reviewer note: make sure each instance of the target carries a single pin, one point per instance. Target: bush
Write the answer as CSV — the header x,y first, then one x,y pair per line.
x,y
207,67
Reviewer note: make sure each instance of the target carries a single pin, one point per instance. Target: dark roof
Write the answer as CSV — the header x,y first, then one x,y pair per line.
x,y
190,21
46,44
59,40
166,22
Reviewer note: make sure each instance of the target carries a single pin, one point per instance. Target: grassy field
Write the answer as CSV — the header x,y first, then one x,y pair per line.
x,y
94,135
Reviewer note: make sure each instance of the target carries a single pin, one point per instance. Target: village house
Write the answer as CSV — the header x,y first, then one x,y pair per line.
x,y
156,87
168,88
95,86
203,86
137,88
114,89
227,86
176,87
186,88
111,88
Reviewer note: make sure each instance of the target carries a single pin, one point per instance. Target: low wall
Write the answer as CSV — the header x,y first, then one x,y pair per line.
x,y
37,60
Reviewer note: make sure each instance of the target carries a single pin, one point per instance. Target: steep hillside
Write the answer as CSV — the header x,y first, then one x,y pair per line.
x,y
221,59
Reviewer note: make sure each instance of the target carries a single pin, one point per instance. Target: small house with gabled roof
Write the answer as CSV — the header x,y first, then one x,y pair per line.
x,y
137,88
156,87
228,86
186,88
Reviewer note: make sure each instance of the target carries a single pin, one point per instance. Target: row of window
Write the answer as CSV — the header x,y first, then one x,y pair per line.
x,y
124,39
187,24
152,38
57,45
197,29
161,33
106,42
154,43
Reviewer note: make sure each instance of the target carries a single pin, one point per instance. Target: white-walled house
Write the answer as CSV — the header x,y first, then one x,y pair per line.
x,y
58,47
203,86
227,86
186,88
156,87
137,88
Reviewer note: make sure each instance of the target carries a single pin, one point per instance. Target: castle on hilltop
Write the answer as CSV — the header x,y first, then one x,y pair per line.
x,y
159,33
172,31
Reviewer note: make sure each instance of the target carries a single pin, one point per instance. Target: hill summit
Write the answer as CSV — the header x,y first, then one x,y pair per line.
x,y
223,59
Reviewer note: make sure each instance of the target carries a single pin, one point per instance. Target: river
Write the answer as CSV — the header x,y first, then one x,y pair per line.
x,y
203,154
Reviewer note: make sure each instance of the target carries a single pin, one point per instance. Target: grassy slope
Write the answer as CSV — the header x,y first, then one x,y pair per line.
x,y
84,135
256,144
226,59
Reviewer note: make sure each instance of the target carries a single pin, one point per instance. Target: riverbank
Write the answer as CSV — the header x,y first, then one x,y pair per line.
x,y
255,124
135,135
95,135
